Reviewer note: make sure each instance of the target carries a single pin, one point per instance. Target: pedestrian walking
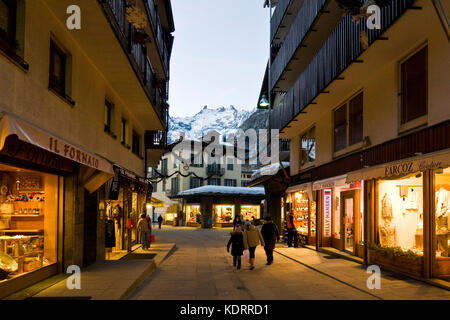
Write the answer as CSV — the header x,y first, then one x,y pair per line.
x,y
291,230
237,247
271,236
252,238
144,232
160,220
237,221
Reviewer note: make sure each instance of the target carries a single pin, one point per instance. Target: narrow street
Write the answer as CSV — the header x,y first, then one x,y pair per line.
x,y
201,269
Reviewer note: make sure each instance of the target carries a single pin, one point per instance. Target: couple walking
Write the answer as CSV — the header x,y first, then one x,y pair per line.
x,y
249,239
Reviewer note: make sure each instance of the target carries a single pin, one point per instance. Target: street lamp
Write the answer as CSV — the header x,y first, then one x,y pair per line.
x,y
264,103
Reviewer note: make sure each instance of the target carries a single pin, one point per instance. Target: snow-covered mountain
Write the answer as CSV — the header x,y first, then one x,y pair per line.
x,y
224,120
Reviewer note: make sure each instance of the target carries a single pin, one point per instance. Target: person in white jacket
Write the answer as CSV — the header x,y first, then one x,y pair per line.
x,y
252,238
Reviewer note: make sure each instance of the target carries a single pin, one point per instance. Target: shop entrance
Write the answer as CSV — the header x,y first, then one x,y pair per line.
x,y
350,220
90,228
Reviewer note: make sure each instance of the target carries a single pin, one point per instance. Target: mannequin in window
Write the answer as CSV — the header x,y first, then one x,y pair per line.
x,y
442,215
388,232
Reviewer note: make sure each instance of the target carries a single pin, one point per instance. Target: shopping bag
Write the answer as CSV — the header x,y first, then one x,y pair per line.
x,y
246,256
152,238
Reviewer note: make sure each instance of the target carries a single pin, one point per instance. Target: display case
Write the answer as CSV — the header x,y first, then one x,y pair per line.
x,y
301,212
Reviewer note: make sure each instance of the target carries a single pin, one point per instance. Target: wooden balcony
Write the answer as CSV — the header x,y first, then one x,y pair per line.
x,y
282,19
342,48
313,24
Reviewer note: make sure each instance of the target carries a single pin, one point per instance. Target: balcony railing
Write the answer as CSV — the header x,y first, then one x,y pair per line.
x,y
159,33
302,24
285,145
341,49
156,140
278,16
138,53
215,170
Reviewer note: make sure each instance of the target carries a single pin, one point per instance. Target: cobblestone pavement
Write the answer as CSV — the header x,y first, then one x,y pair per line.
x,y
201,269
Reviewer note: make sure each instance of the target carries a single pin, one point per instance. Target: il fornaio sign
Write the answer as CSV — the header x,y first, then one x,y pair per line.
x,y
73,153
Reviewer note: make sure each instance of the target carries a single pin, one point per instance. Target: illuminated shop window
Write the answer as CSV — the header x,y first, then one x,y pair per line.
x,y
400,213
28,221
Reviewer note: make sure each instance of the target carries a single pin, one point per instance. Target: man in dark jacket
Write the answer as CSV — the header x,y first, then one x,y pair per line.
x,y
160,220
271,236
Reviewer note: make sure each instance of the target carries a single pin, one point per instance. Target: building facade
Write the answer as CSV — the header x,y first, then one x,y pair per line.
x,y
77,108
172,176
366,111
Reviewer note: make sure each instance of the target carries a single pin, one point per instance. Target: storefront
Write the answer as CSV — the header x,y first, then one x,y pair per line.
x,y
125,201
410,208
301,202
341,214
224,214
171,215
36,172
217,206
193,215
251,212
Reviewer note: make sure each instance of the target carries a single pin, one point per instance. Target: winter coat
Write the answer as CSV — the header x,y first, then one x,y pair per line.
x,y
252,237
270,234
237,243
143,225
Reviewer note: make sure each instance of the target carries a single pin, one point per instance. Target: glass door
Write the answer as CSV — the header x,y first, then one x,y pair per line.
x,y
348,220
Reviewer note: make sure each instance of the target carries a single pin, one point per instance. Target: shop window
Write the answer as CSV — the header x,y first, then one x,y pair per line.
x,y
124,133
136,143
60,65
400,213
250,212
230,182
308,149
348,123
414,86
29,210
108,116
300,210
442,218
193,214
223,213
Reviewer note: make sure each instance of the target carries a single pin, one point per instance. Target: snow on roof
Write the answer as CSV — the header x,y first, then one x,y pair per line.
x,y
221,190
269,170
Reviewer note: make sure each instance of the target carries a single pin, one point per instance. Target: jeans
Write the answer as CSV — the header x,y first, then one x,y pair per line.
x,y
269,254
237,259
251,251
145,239
292,235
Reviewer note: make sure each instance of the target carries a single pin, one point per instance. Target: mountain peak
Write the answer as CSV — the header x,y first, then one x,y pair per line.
x,y
224,120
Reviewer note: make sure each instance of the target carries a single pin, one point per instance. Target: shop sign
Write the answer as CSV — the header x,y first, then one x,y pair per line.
x,y
115,185
398,169
18,149
327,197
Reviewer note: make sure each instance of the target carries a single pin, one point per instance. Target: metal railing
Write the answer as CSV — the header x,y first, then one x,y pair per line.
x,y
156,140
341,49
215,170
139,54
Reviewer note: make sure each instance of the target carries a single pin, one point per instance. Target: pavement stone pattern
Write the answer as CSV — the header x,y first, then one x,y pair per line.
x,y
201,269
111,280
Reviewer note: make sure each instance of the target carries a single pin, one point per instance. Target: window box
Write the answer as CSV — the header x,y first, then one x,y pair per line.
x,y
397,260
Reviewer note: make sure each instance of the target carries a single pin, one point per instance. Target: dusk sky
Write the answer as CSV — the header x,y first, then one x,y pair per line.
x,y
219,55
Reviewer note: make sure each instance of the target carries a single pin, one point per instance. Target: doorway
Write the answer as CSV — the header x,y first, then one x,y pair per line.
x,y
90,228
350,222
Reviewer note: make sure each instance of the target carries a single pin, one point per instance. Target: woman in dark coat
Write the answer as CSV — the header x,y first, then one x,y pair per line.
x,y
237,221
271,236
237,246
